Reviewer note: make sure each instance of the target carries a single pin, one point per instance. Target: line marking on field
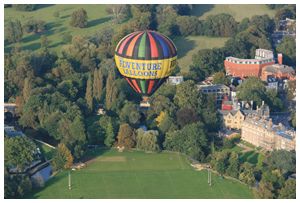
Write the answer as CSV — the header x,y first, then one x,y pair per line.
x,y
137,180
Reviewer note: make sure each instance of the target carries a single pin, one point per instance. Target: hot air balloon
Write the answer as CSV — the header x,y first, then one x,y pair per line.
x,y
145,59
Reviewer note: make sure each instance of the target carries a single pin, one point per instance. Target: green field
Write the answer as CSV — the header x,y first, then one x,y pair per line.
x,y
238,11
188,46
140,175
57,26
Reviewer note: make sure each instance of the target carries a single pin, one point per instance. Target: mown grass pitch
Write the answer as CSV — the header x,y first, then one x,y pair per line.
x,y
238,11
188,46
140,175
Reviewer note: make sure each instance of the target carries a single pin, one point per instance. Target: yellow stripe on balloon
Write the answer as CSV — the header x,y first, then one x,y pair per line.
x,y
145,69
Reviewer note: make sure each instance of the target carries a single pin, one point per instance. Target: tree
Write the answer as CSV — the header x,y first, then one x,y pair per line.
x,y
109,134
119,11
288,48
95,133
82,53
110,90
263,22
220,78
283,160
44,42
89,94
79,18
143,17
206,62
209,113
285,12
220,25
166,18
166,123
19,152
183,9
188,25
63,158
98,84
16,186
220,161
27,89
130,113
186,116
187,95
126,137
252,89
247,174
147,140
14,31
264,191
191,140
233,165
35,26
288,191
243,25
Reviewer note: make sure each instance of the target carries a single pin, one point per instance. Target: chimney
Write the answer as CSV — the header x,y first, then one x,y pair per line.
x,y
279,58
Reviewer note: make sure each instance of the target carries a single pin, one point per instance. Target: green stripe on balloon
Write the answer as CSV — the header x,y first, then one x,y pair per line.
x,y
143,86
142,48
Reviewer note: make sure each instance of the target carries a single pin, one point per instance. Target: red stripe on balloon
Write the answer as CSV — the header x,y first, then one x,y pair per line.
x,y
131,85
136,85
125,42
131,45
154,51
150,86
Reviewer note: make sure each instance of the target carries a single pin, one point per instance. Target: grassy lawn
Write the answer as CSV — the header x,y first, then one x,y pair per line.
x,y
238,11
140,175
250,156
57,26
188,46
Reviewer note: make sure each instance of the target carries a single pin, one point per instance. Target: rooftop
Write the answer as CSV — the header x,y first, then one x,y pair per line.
x,y
275,68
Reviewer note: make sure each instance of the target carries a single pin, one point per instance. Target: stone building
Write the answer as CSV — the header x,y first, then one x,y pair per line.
x,y
262,132
233,119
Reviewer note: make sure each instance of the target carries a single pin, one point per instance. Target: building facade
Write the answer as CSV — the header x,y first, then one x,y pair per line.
x,y
261,132
218,90
175,80
237,67
232,119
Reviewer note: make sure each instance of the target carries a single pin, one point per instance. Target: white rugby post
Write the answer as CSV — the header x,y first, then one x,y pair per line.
x,y
208,176
70,187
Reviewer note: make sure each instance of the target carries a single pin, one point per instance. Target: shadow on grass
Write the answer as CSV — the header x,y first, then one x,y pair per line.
x,y
31,37
98,21
251,157
40,6
199,10
184,45
32,46
93,153
66,16
51,181
56,44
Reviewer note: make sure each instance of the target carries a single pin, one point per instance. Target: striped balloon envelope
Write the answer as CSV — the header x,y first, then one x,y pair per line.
x,y
145,59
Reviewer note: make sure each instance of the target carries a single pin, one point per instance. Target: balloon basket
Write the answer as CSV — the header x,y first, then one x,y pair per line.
x,y
145,102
